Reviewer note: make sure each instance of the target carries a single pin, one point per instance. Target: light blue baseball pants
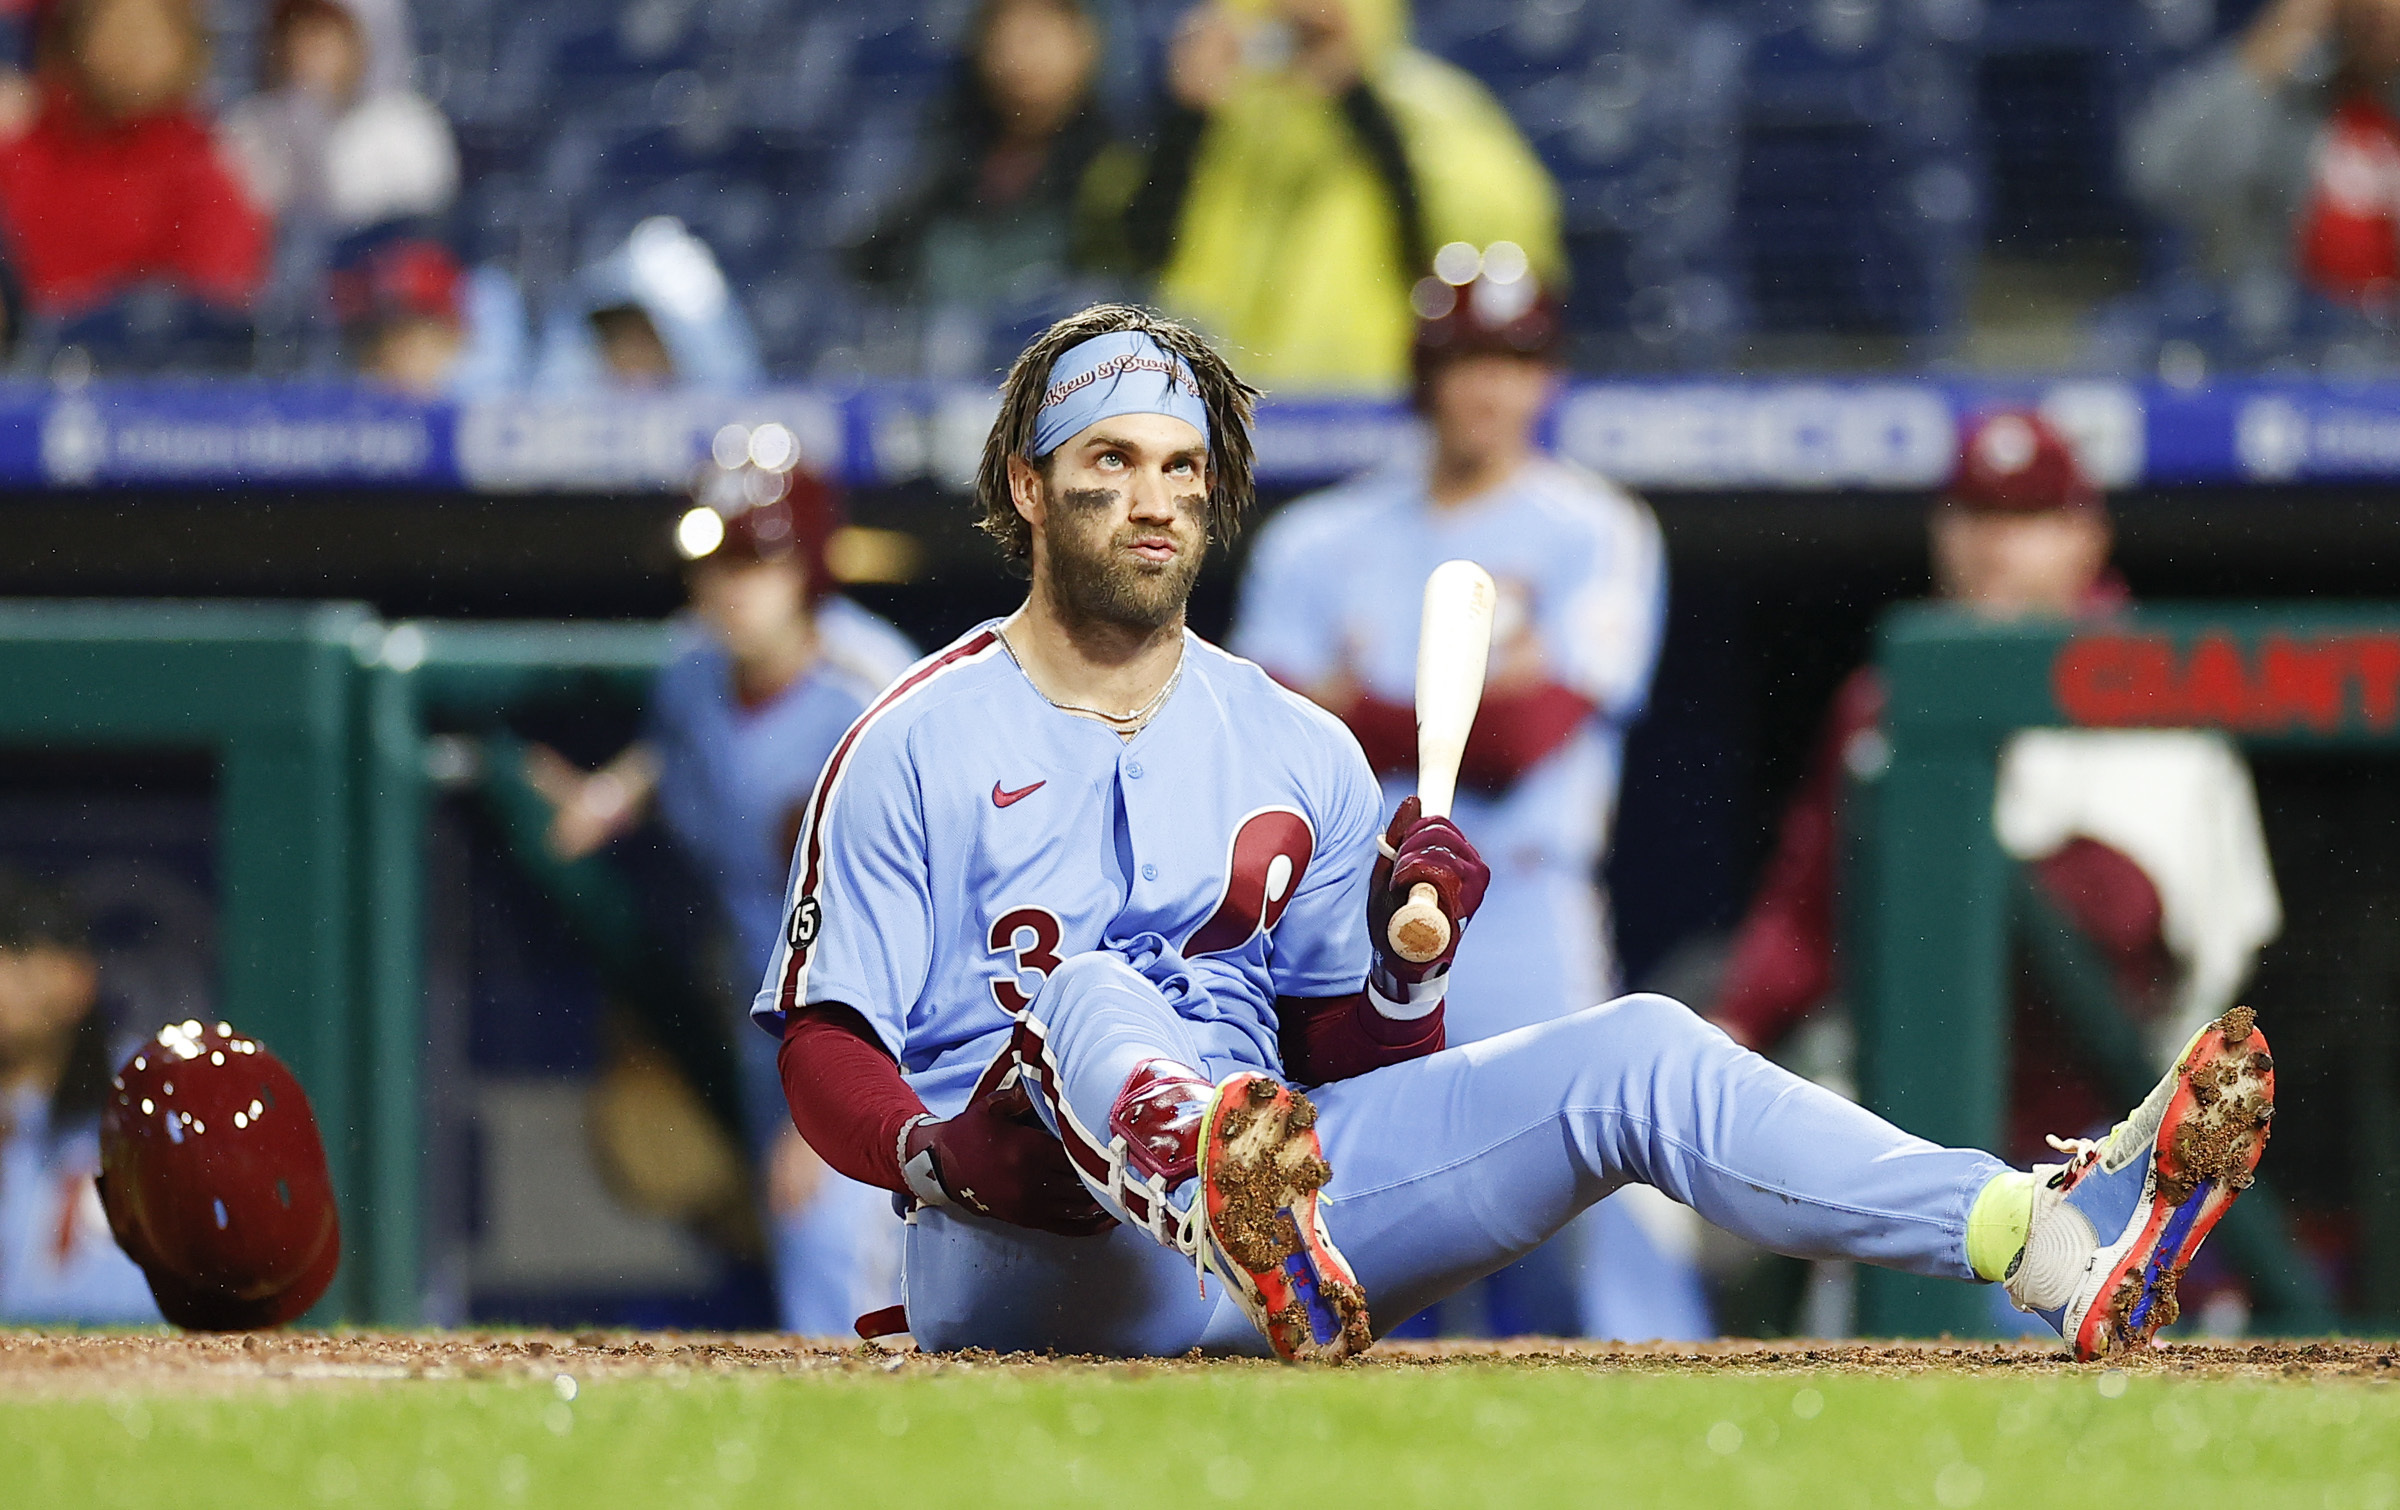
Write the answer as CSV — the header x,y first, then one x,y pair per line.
x,y
1446,1168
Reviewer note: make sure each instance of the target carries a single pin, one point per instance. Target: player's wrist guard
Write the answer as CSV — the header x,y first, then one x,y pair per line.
x,y
924,1180
1403,1000
1418,849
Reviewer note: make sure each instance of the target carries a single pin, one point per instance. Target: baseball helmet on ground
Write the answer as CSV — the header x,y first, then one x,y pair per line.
x,y
215,1181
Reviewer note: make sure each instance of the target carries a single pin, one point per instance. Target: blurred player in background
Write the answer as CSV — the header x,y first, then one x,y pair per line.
x,y
771,669
1331,607
2148,840
57,1260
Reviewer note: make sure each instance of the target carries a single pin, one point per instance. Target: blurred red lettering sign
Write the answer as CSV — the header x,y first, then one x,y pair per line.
x,y
2274,684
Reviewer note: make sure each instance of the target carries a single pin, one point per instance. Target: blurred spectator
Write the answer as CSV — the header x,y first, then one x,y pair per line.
x,y
2280,157
1330,607
1310,166
771,671
336,136
2148,840
414,321
116,182
58,1262
401,315
998,220
655,312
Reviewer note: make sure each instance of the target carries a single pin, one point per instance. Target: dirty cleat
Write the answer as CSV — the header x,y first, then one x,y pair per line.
x,y
2114,1226
1260,1171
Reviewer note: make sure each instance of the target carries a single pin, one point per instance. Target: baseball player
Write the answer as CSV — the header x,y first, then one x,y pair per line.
x,y
1081,899
1330,607
740,722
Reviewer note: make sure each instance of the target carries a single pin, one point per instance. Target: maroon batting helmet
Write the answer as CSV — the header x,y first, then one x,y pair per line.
x,y
2014,461
215,1181
746,511
1482,303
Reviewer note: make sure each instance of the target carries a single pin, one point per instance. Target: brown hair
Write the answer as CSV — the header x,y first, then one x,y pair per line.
x,y
58,49
1228,399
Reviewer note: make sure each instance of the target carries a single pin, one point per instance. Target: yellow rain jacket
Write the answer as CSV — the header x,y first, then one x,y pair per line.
x,y
1289,248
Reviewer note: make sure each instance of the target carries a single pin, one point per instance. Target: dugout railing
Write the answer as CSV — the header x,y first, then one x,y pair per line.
x,y
316,935
1936,905
315,722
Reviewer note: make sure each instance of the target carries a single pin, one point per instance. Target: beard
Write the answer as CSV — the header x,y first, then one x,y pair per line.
x,y
1098,580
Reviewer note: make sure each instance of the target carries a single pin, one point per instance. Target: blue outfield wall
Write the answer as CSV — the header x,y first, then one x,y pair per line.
x,y
1795,435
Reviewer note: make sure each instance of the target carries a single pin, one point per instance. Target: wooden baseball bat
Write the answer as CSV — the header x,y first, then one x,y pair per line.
x,y
1454,644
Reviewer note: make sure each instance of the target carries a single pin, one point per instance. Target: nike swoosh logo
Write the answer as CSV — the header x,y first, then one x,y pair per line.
x,y
1003,799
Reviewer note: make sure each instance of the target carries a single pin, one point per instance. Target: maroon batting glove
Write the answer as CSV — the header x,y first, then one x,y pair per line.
x,y
1433,851
996,1159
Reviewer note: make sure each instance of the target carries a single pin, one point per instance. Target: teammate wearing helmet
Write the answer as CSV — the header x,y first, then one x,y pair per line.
x,y
1083,902
215,1181
1330,608
770,668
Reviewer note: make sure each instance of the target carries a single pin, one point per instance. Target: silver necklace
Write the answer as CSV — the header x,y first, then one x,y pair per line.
x,y
1126,724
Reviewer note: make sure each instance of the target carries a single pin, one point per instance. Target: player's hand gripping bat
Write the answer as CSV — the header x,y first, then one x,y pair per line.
x,y
1453,645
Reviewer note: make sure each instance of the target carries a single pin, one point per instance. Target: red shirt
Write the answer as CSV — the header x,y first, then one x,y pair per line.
x,y
2349,244
92,208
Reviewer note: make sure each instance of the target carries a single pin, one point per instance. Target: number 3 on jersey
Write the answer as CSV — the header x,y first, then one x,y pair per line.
x,y
1263,866
1030,935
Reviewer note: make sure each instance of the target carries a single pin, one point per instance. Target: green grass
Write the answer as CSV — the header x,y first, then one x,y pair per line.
x,y
1458,1436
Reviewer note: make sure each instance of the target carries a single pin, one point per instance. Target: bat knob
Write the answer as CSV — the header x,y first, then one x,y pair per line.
x,y
1419,930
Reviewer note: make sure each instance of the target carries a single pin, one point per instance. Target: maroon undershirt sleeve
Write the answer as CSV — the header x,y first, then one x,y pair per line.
x,y
846,1094
2116,904
1515,731
1328,1038
1386,731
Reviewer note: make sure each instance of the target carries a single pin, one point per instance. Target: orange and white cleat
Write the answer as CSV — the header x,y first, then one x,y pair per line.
x,y
2114,1227
1261,1224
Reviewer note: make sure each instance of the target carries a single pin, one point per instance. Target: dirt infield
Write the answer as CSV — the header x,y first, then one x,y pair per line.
x,y
34,1363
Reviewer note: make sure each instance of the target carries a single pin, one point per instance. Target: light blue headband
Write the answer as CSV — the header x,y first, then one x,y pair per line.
x,y
1123,372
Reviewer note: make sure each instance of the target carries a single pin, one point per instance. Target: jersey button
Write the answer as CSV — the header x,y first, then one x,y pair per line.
x,y
1134,770
1149,872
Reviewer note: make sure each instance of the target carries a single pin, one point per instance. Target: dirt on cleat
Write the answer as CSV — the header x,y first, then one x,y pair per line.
x,y
1264,1169
2216,1128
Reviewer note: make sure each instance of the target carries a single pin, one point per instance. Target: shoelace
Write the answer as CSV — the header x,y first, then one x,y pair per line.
x,y
1191,1228
2081,1154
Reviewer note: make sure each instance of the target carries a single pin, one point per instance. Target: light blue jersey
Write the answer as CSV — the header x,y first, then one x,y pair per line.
x,y
1336,585
58,1263
734,780
979,866
968,836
